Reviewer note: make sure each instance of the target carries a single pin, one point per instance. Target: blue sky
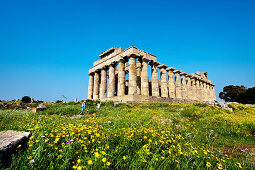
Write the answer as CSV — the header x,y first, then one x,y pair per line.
x,y
47,47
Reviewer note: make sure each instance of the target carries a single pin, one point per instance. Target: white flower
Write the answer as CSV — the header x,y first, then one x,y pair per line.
x,y
32,161
109,122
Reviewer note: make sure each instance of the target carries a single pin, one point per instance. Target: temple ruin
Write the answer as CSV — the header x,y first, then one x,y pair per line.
x,y
123,76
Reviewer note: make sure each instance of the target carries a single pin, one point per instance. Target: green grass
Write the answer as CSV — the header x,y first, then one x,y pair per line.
x,y
134,136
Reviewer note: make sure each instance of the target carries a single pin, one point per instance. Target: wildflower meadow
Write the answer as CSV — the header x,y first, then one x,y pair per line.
x,y
134,136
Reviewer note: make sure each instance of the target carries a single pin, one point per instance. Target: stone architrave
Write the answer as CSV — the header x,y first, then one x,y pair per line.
x,y
111,86
96,86
177,84
103,86
145,78
188,87
91,85
183,85
132,75
121,77
138,74
163,81
154,79
171,84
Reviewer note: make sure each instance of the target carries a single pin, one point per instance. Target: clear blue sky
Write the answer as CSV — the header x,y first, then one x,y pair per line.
x,y
47,47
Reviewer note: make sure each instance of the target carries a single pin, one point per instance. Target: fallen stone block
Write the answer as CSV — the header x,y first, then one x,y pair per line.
x,y
10,141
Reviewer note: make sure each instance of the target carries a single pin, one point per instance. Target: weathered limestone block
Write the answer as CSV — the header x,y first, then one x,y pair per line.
x,y
171,84
132,86
9,141
177,84
183,85
164,90
121,77
103,87
96,86
91,85
111,86
145,78
154,79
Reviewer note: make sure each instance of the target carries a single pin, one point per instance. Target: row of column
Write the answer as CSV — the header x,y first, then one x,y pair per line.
x,y
180,85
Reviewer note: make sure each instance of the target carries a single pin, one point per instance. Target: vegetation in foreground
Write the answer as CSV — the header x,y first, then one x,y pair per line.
x,y
140,136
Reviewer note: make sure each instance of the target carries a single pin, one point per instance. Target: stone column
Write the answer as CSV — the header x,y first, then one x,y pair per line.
x,y
188,88
204,92
214,96
193,88
211,91
154,78
171,84
163,81
111,86
197,89
183,85
121,77
96,86
139,70
145,78
200,90
177,84
207,92
91,85
132,85
103,86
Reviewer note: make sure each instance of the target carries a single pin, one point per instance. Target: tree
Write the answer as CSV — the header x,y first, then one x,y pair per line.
x,y
26,99
248,97
230,93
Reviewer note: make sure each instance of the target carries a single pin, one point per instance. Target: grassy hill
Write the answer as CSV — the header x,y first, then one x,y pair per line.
x,y
139,136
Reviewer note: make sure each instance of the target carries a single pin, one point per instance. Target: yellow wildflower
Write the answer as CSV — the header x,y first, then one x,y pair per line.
x,y
90,162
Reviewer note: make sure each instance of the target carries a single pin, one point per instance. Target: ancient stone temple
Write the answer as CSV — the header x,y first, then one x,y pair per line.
x,y
123,75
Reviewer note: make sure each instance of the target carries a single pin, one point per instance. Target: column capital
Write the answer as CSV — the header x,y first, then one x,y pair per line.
x,y
162,66
154,63
98,70
170,69
183,74
92,73
177,71
132,56
114,64
121,60
105,67
145,59
188,75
